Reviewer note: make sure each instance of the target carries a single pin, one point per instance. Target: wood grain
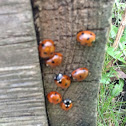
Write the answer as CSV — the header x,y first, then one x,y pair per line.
x,y
60,21
21,91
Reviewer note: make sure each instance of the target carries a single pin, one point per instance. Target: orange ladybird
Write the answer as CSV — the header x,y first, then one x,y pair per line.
x,y
62,81
56,60
66,104
80,74
54,97
86,38
46,49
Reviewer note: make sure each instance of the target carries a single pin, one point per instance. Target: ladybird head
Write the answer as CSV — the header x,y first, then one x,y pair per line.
x,y
67,102
58,77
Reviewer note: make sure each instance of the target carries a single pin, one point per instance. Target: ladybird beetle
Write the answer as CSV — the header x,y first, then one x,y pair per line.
x,y
54,97
46,49
62,81
80,74
66,104
56,60
86,38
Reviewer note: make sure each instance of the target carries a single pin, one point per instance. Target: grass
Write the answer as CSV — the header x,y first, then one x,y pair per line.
x,y
111,106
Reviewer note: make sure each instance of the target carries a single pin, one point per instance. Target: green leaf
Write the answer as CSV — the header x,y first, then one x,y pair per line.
x,y
105,79
113,31
123,39
124,120
118,88
121,82
115,54
110,51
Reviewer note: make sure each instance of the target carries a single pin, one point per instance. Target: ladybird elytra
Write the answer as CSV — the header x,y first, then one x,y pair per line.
x,y
80,74
54,61
62,81
54,97
46,49
86,38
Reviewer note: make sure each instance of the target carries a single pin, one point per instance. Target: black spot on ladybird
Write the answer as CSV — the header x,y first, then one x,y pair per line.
x,y
55,93
51,53
65,84
82,33
60,82
88,38
57,100
67,106
45,52
42,45
53,62
80,76
90,33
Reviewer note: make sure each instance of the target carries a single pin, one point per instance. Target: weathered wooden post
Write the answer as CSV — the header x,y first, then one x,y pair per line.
x,y
21,91
60,20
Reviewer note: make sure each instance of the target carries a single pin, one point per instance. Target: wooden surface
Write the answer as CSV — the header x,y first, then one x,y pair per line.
x,y
60,20
21,92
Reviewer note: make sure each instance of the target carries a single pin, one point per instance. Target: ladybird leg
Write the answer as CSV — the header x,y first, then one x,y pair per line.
x,y
93,42
84,44
56,88
55,78
74,79
70,75
89,73
90,44
63,89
